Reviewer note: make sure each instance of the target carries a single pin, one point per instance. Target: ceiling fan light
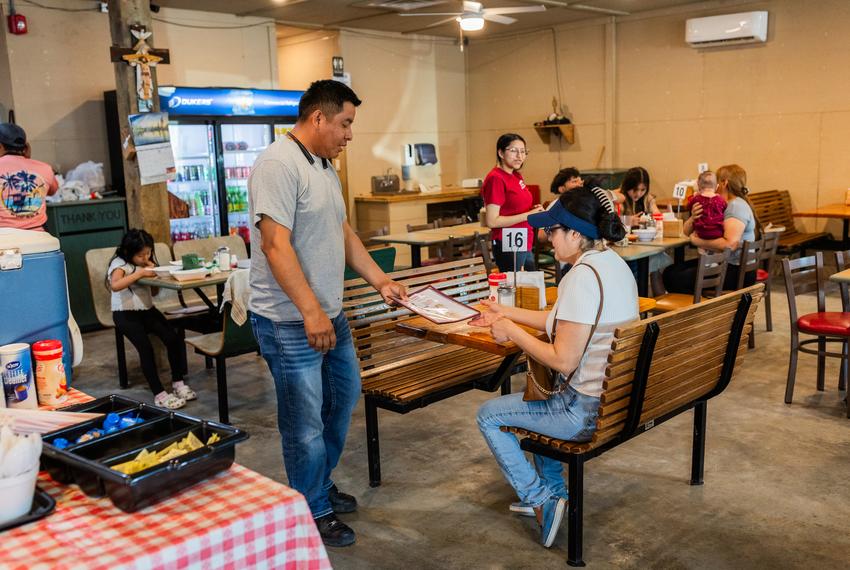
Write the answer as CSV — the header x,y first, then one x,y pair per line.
x,y
471,23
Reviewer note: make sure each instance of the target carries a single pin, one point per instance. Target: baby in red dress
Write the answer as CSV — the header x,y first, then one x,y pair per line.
x,y
710,223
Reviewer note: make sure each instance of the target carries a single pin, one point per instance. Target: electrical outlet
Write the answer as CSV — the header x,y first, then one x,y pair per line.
x,y
104,8
702,167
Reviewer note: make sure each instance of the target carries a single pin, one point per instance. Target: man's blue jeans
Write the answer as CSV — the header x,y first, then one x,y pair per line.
x,y
316,394
568,415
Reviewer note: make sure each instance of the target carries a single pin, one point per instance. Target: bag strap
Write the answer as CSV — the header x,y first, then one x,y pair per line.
x,y
595,322
589,338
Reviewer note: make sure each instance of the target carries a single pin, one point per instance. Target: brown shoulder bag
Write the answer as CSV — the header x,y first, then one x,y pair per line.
x,y
540,380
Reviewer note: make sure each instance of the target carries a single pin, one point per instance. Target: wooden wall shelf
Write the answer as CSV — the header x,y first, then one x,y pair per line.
x,y
566,131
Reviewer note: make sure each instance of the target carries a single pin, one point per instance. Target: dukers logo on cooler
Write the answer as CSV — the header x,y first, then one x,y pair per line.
x,y
177,100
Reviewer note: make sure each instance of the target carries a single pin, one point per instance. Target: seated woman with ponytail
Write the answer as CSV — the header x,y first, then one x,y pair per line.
x,y
739,225
596,296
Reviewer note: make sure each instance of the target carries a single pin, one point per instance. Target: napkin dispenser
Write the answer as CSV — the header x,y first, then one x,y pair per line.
x,y
386,184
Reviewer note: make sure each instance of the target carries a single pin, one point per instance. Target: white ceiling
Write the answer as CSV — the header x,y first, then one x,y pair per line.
x,y
369,15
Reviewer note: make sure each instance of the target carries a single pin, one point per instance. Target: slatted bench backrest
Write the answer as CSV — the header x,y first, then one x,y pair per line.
x,y
774,206
379,346
686,363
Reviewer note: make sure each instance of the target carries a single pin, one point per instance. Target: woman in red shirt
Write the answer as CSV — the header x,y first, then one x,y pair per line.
x,y
507,200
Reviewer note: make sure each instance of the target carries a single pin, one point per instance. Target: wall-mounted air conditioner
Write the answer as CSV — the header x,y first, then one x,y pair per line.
x,y
729,29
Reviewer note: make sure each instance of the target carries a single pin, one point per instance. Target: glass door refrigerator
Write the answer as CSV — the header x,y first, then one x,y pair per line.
x,y
216,135
236,126
196,182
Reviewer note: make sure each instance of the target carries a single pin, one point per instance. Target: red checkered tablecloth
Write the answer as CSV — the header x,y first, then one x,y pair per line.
x,y
74,397
234,520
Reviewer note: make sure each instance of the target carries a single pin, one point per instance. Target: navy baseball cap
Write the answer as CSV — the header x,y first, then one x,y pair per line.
x,y
557,215
12,136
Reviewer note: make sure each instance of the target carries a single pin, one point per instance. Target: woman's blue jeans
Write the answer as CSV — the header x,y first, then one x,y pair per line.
x,y
316,394
568,415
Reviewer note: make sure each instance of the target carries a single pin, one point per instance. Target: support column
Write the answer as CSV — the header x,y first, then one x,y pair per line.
x,y
147,206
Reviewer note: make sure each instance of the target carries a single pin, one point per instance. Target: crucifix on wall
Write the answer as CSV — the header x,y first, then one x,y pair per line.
x,y
142,57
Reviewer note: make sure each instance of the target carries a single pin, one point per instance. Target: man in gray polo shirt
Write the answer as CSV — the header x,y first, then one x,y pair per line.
x,y
300,244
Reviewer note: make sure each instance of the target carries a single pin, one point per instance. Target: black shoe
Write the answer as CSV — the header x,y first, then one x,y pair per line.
x,y
334,532
341,502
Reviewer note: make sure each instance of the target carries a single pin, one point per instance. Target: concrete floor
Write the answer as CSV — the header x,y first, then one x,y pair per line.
x,y
776,491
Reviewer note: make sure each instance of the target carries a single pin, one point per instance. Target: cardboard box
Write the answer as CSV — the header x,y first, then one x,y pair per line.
x,y
673,228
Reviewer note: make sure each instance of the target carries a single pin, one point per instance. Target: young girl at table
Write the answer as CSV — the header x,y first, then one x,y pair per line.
x,y
135,317
635,195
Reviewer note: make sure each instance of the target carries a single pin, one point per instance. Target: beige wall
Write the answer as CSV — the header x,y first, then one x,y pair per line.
x,y
60,69
304,56
780,109
413,91
511,86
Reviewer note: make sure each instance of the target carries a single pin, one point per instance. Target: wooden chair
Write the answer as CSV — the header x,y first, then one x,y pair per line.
x,y
367,235
774,207
435,252
460,248
750,261
420,227
765,272
842,261
448,222
710,275
485,246
805,275
384,257
233,340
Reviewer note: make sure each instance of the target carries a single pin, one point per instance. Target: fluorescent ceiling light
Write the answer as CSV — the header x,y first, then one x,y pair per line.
x,y
471,23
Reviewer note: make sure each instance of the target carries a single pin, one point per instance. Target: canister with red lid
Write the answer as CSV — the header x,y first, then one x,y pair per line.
x,y
50,382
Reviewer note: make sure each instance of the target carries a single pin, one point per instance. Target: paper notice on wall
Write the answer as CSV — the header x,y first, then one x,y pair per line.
x,y
156,163
153,147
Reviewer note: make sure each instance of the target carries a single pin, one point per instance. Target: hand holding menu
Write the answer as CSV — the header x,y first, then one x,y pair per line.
x,y
437,307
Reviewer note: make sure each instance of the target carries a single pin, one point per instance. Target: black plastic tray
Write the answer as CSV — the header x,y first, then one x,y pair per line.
x,y
42,505
88,464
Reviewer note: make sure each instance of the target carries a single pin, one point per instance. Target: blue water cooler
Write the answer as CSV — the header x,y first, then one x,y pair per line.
x,y
33,291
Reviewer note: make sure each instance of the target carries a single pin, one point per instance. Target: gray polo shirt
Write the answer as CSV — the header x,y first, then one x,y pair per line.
x,y
307,199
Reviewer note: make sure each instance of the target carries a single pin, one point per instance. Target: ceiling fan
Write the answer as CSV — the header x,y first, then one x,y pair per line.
x,y
472,17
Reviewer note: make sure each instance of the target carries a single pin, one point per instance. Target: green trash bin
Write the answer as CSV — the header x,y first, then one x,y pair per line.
x,y
81,226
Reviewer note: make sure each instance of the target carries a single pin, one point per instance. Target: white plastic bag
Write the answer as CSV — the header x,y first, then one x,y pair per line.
x,y
90,173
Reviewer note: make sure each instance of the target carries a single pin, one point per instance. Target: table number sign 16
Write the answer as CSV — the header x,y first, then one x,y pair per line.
x,y
514,239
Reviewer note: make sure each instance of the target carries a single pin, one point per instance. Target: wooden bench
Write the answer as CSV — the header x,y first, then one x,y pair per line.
x,y
403,373
774,206
658,368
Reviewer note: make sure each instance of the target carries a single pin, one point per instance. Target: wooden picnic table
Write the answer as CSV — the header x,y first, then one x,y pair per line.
x,y
466,335
424,238
841,276
831,211
218,280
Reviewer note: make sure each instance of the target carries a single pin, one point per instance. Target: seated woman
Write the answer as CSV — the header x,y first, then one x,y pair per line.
x,y
595,297
636,201
739,225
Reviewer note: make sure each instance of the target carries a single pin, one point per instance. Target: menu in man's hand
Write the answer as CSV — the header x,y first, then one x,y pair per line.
x,y
437,307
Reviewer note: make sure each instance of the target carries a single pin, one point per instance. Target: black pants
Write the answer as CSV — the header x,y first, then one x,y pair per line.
x,y
136,326
681,277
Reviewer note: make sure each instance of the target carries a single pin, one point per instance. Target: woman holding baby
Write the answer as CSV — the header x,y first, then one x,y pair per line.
x,y
739,224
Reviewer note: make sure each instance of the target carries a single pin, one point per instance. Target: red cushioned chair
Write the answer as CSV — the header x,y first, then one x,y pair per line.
x,y
805,275
768,254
